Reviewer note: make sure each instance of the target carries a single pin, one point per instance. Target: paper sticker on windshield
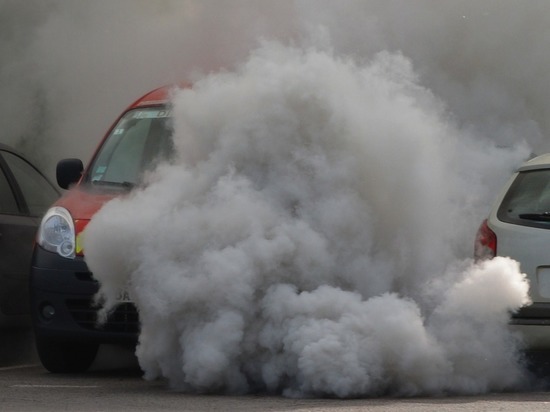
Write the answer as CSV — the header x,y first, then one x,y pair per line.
x,y
151,114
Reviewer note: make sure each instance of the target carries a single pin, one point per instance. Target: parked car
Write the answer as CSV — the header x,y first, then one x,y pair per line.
x,y
62,287
518,226
25,194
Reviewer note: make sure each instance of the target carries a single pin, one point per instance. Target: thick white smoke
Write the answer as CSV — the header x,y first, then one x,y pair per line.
x,y
310,237
302,174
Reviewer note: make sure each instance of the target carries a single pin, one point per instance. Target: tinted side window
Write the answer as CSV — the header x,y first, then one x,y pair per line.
x,y
8,204
527,202
37,191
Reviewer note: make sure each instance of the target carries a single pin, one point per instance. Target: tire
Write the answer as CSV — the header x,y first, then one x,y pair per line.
x,y
65,357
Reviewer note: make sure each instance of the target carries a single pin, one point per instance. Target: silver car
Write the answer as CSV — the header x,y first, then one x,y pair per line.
x,y
518,226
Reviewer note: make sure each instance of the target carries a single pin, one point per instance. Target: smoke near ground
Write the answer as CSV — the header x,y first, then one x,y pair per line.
x,y
335,160
305,237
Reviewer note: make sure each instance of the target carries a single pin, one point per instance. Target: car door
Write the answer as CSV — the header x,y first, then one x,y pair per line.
x,y
24,195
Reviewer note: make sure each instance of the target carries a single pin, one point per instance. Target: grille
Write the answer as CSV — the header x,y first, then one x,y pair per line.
x,y
123,319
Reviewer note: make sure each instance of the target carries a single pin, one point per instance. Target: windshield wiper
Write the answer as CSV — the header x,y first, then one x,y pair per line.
x,y
543,217
126,185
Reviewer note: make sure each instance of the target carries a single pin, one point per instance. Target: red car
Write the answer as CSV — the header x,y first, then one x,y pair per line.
x,y
62,287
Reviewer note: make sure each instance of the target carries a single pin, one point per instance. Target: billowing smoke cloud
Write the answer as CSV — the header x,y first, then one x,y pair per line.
x,y
305,237
351,168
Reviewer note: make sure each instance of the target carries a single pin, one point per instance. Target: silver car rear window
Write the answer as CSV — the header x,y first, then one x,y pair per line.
x,y
527,201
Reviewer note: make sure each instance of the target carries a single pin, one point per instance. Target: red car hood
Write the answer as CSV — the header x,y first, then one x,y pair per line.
x,y
83,204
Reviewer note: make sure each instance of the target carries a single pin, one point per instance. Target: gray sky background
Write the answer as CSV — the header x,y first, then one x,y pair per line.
x,y
68,68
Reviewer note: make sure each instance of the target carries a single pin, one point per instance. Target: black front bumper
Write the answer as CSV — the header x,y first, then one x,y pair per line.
x,y
62,308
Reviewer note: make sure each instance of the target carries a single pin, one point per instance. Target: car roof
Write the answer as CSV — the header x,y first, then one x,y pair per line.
x,y
159,96
539,162
10,149
6,147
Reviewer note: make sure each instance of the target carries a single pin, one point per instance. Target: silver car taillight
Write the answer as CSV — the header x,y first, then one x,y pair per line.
x,y
485,243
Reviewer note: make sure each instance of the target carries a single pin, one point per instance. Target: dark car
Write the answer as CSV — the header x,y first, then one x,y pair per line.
x,y
25,195
62,288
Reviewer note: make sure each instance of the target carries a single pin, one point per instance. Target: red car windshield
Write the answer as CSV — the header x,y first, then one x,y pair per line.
x,y
136,144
